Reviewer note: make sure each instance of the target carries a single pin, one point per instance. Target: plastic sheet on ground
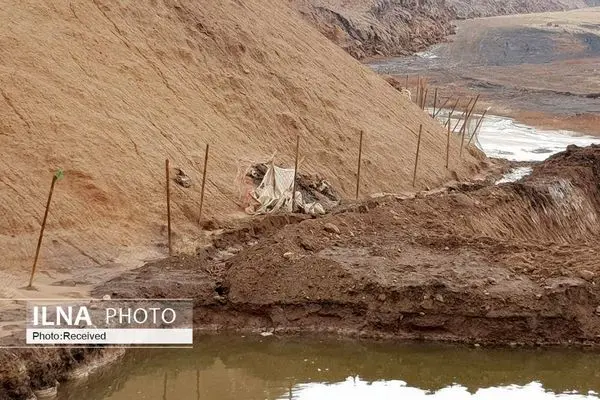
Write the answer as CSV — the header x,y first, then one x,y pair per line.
x,y
274,193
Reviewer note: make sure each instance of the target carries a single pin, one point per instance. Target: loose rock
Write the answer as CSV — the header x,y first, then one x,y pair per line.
x,y
331,228
587,275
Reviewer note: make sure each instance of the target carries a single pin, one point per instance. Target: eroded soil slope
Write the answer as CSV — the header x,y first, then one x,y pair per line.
x,y
366,28
516,262
107,90
370,28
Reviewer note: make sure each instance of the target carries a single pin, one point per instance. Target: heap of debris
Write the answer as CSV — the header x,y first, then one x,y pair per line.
x,y
272,188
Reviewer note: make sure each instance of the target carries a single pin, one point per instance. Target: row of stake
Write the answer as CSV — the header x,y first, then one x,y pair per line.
x,y
468,111
168,185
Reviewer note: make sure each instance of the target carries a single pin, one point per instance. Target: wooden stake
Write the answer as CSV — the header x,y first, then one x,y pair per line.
x,y
469,113
168,206
434,102
462,115
464,127
406,86
442,107
39,244
197,384
417,156
448,148
462,142
424,99
359,164
418,98
452,111
477,126
274,181
295,172
203,184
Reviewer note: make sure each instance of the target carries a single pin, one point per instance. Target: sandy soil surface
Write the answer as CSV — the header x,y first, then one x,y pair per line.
x,y
510,263
107,90
539,68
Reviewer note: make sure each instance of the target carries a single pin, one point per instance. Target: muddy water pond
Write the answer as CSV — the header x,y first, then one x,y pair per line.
x,y
234,367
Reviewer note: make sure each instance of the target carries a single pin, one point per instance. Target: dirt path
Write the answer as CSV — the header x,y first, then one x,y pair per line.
x,y
540,68
514,263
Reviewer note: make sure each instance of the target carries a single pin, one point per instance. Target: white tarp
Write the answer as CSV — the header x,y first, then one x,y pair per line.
x,y
275,193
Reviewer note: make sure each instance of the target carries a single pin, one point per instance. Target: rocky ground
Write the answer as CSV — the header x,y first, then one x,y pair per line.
x,y
379,28
511,263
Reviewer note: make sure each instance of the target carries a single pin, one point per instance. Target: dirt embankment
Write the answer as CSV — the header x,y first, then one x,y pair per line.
x,y
162,80
24,371
516,263
372,28
379,27
513,263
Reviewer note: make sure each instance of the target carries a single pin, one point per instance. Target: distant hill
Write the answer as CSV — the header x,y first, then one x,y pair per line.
x,y
368,28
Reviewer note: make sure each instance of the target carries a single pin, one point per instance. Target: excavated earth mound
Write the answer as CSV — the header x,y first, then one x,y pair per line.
x,y
107,90
513,263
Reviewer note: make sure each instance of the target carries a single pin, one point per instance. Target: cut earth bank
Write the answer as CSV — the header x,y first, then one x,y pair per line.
x,y
516,263
367,28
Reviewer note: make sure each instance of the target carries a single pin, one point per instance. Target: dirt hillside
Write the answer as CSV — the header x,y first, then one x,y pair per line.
x,y
371,28
107,89
366,28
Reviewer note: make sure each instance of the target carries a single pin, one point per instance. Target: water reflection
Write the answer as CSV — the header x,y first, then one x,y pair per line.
x,y
354,388
273,368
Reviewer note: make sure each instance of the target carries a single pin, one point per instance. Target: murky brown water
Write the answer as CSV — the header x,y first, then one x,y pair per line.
x,y
273,368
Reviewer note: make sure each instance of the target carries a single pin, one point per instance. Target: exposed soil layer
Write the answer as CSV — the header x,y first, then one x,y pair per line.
x,y
512,263
23,371
367,28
